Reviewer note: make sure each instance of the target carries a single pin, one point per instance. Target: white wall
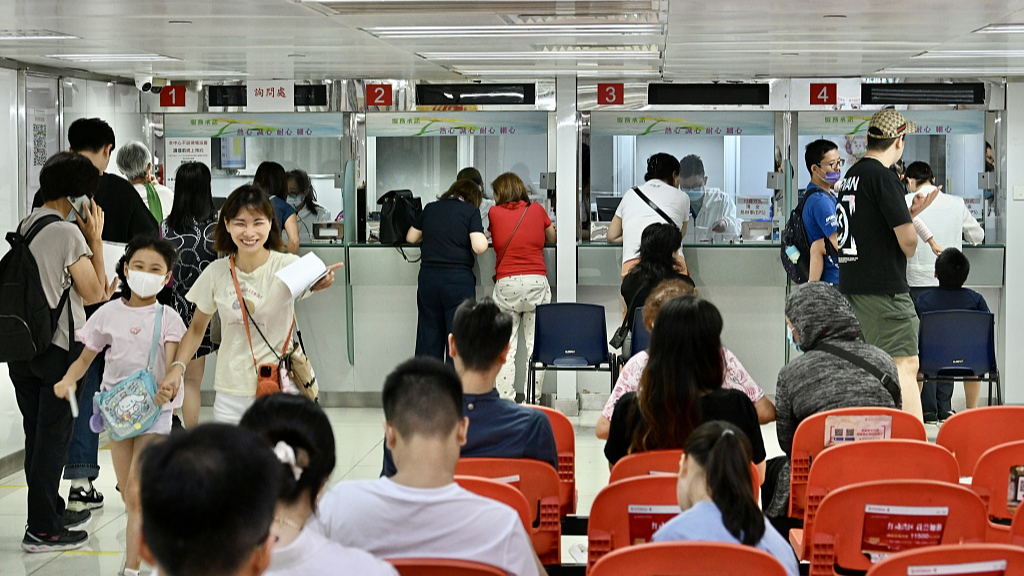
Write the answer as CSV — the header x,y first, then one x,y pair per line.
x,y
116,104
12,438
1011,336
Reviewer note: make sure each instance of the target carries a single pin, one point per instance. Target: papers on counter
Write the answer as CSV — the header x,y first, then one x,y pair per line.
x,y
302,274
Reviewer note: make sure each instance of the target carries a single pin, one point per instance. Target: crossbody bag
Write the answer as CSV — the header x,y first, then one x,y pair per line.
x,y
890,385
498,260
129,408
655,207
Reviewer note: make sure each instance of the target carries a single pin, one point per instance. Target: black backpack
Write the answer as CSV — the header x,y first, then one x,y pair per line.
x,y
398,212
27,323
795,235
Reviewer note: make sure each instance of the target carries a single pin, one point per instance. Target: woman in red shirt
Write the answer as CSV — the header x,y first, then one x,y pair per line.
x,y
519,229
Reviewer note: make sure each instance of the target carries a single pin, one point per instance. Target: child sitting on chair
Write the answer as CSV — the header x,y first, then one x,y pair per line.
x,y
951,268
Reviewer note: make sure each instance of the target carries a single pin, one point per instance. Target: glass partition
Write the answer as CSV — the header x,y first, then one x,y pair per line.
x,y
737,150
952,142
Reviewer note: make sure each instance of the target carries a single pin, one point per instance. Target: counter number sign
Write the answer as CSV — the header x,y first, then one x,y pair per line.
x,y
610,94
823,94
379,95
172,97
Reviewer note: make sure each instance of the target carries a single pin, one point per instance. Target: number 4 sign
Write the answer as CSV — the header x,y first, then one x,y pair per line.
x,y
379,95
172,97
610,94
823,94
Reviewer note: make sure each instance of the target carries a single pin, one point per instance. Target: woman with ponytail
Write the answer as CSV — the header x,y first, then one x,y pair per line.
x,y
716,496
301,437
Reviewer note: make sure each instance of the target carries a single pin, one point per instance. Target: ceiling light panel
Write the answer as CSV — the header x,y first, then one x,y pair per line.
x,y
971,54
551,53
534,8
7,35
523,31
111,57
1001,29
971,71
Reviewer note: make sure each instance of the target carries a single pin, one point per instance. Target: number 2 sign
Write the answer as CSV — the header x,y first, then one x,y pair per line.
x,y
610,94
379,95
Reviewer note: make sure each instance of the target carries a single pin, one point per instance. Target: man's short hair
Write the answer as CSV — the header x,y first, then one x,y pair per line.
x,y
208,497
690,166
815,152
881,144
481,332
952,268
423,397
90,135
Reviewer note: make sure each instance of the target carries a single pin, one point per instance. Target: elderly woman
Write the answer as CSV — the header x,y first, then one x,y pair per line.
x,y
136,163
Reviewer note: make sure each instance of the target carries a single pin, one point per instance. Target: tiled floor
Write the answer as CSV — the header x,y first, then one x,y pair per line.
x,y
359,440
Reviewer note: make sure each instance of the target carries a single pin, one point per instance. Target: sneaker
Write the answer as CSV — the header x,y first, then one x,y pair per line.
x,y
73,518
931,418
81,499
946,416
65,540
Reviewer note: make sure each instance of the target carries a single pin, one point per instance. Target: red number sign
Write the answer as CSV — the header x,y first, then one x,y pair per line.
x,y
823,93
610,94
379,95
172,97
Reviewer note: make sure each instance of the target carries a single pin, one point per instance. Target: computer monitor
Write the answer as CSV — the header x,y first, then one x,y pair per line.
x,y
606,207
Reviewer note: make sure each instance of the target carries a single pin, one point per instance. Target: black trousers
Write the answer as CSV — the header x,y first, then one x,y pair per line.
x,y
440,292
48,424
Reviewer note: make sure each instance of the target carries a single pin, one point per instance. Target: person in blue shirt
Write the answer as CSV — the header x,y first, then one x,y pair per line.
x,y
272,179
715,493
819,214
951,268
498,428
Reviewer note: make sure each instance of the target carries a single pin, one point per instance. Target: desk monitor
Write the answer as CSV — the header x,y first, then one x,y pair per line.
x,y
606,207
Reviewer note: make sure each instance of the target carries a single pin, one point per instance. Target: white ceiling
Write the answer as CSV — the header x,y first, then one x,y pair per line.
x,y
698,39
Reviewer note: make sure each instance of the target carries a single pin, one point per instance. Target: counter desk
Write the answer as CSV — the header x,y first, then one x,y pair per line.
x,y
356,332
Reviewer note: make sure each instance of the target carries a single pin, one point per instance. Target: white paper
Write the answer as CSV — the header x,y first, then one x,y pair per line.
x,y
300,276
112,253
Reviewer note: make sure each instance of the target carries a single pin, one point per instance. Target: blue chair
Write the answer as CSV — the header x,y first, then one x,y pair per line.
x,y
569,336
957,345
639,338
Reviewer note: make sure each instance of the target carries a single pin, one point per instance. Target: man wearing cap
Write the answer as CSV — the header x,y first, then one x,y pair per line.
x,y
876,236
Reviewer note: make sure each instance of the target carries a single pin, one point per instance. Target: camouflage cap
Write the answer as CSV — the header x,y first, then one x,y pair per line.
x,y
889,124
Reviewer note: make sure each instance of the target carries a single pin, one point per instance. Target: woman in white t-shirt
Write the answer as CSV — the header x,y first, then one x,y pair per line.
x,y
136,163
634,214
247,230
301,436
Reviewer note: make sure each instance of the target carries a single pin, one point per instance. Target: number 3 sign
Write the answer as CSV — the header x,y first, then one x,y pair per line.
x,y
379,95
610,94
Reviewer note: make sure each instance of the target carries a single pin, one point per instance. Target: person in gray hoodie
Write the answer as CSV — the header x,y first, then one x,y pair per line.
x,y
817,381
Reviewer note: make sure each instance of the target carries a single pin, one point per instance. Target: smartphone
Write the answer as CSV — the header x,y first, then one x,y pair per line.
x,y
81,206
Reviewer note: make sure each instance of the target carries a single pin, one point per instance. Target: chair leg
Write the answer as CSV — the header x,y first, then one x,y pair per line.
x,y
531,385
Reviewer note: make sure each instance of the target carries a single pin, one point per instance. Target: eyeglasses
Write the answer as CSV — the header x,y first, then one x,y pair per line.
x,y
834,164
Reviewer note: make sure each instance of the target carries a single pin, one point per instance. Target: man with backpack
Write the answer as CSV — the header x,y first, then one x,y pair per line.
x,y
819,212
55,267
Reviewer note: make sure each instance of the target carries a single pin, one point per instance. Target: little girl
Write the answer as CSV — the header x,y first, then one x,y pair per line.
x,y
126,326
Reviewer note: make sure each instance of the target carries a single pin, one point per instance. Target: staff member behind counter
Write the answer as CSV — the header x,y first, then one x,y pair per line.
x,y
711,210
451,233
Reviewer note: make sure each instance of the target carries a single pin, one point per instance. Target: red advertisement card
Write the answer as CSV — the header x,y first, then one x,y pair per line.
x,y
889,529
645,520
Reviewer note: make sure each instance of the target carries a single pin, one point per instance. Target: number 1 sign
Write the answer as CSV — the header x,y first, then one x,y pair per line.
x,y
379,95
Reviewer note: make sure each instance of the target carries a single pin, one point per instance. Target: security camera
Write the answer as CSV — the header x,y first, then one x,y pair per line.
x,y
144,83
158,85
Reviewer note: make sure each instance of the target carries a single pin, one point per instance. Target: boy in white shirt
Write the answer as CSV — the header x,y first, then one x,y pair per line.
x,y
421,512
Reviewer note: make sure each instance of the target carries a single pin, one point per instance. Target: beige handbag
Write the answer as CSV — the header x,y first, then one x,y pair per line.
x,y
300,370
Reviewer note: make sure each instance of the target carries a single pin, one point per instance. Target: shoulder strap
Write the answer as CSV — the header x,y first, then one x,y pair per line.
x,y
654,206
631,306
513,235
157,324
241,302
890,385
36,227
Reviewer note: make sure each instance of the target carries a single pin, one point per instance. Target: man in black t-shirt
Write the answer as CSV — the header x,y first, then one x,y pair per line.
x,y
876,235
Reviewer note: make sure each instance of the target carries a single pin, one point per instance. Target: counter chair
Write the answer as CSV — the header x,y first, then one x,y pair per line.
x,y
958,345
572,337
610,527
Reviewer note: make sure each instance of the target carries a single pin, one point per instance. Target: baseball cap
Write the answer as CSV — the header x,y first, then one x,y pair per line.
x,y
889,124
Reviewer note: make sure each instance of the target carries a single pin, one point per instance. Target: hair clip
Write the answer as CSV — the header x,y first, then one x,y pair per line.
x,y
727,432
286,454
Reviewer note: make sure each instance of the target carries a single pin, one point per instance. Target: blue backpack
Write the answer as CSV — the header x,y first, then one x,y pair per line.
x,y
129,408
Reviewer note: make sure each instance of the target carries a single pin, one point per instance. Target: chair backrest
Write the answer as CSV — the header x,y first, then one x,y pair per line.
x,y
926,511
1017,528
994,476
949,557
664,462
539,484
443,567
970,433
809,441
565,444
869,461
570,334
688,559
612,526
957,343
502,492
639,337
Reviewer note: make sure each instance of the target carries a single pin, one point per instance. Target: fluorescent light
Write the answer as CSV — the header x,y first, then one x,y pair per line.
x,y
1003,71
645,54
190,74
972,54
559,72
1001,29
35,35
515,30
112,57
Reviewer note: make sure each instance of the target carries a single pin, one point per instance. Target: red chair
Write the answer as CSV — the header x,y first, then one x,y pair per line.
x,y
869,461
991,480
809,441
839,538
1017,528
565,443
950,556
663,462
688,559
969,434
510,496
609,526
443,567
539,483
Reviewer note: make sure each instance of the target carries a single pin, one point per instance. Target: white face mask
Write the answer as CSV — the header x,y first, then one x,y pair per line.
x,y
144,284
